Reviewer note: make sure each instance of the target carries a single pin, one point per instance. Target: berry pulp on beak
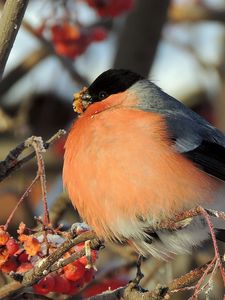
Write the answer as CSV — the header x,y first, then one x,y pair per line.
x,y
81,101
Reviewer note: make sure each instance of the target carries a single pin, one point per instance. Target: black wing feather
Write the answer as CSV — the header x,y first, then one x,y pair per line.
x,y
220,234
191,135
209,157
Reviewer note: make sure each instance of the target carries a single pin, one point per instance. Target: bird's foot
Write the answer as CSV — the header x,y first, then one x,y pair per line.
x,y
139,274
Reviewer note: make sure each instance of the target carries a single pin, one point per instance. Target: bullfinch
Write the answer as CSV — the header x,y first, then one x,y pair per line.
x,y
135,157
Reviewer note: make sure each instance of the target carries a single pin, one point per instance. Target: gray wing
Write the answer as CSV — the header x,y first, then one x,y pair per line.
x,y
193,136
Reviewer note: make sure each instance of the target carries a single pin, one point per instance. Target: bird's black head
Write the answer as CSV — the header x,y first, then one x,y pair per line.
x,y
111,82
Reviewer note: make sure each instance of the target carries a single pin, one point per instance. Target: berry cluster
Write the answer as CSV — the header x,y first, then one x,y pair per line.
x,y
24,253
110,8
72,40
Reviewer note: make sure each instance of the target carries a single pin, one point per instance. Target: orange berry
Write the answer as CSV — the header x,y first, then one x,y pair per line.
x,y
4,254
4,236
32,245
21,228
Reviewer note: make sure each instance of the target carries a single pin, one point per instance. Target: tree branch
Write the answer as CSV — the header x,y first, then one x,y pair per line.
x,y
193,13
10,22
129,292
49,264
140,36
11,162
43,268
31,60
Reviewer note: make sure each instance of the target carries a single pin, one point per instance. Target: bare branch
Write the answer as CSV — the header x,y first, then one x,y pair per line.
x,y
130,292
11,162
8,289
39,148
19,71
194,13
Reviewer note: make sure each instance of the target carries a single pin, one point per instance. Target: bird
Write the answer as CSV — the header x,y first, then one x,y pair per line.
x,y
135,157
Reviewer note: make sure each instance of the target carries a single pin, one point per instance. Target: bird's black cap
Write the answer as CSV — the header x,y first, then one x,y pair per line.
x,y
112,81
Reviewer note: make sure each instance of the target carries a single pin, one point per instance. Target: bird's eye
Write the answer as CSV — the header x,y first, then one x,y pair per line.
x,y
102,95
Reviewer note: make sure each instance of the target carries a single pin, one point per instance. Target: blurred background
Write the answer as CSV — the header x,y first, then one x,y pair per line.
x,y
62,46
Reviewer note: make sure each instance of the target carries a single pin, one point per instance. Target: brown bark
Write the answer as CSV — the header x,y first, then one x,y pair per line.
x,y
141,34
10,21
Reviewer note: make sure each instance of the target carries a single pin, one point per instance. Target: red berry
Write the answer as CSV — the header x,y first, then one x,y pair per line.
x,y
62,285
23,257
110,8
73,289
12,246
79,283
24,267
68,39
83,260
45,285
89,275
79,247
104,285
74,271
9,265
98,34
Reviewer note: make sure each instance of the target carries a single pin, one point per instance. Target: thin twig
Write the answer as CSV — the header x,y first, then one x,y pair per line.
x,y
94,244
38,145
159,293
176,222
212,232
201,280
11,162
20,201
216,213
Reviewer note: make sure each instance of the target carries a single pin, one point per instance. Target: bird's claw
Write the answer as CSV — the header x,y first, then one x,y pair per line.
x,y
139,274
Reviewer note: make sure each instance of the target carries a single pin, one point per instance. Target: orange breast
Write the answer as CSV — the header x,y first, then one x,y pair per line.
x,y
119,164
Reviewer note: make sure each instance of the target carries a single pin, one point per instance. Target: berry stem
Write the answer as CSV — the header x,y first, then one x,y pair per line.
x,y
20,201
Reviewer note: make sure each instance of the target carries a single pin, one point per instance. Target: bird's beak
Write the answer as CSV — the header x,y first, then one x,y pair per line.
x,y
81,101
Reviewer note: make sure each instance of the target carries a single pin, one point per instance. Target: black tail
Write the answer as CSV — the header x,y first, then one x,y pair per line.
x,y
220,234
